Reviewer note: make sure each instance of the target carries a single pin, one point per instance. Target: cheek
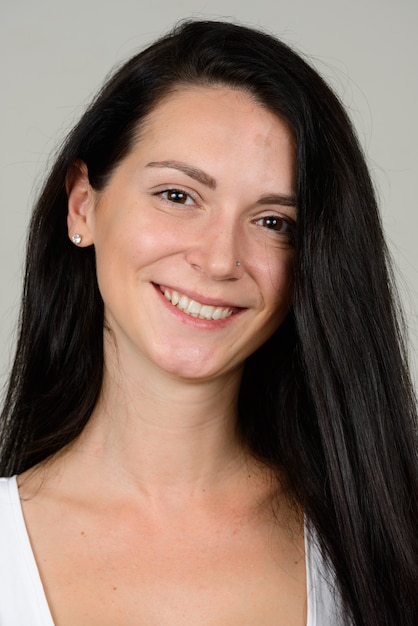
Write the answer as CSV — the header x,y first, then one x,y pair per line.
x,y
128,247
277,280
149,234
115,251
275,286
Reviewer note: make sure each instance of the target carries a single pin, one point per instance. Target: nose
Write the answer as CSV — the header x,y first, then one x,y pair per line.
x,y
216,253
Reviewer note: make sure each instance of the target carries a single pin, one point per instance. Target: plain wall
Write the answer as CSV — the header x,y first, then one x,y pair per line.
x,y
54,56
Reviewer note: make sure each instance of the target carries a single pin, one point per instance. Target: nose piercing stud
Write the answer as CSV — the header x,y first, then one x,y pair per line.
x,y
76,238
238,263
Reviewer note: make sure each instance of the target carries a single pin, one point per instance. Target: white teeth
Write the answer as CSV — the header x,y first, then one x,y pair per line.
x,y
196,309
183,302
206,311
193,308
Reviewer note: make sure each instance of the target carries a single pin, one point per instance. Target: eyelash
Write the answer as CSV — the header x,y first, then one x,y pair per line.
x,y
179,192
289,224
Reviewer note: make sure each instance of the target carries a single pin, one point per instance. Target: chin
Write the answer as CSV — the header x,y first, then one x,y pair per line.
x,y
194,366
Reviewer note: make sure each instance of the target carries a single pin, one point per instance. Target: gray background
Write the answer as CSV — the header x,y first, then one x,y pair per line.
x,y
54,56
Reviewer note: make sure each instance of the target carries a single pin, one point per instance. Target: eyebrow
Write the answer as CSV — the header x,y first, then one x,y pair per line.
x,y
280,199
193,172
205,179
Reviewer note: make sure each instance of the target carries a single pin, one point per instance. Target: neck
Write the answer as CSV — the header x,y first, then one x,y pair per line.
x,y
162,434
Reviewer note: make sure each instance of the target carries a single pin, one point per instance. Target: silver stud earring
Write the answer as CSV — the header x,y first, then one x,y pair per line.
x,y
76,239
238,263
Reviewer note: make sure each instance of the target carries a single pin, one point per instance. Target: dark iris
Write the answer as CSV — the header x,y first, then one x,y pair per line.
x,y
177,196
273,223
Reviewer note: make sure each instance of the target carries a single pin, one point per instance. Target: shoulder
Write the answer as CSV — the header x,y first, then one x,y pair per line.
x,y
22,599
10,526
9,500
324,599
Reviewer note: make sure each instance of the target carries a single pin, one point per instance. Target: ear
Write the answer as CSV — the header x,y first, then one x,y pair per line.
x,y
81,202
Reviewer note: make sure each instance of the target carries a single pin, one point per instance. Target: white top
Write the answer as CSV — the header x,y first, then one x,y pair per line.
x,y
22,597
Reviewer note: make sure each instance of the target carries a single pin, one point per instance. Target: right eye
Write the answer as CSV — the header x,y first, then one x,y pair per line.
x,y
176,196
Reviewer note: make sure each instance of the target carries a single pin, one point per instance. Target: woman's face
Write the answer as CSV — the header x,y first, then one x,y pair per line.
x,y
193,234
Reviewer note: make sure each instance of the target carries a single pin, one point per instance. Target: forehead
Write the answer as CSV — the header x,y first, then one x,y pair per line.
x,y
217,127
195,105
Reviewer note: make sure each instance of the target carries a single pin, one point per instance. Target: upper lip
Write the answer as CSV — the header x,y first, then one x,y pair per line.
x,y
216,302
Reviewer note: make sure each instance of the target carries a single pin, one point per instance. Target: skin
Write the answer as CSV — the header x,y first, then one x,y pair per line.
x,y
156,514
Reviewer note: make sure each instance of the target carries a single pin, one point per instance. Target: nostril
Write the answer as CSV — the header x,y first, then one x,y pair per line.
x,y
215,255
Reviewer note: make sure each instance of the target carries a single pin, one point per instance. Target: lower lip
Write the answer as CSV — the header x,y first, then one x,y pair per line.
x,y
196,321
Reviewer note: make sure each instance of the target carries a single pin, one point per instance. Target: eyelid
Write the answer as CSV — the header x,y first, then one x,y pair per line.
x,y
289,223
178,189
276,215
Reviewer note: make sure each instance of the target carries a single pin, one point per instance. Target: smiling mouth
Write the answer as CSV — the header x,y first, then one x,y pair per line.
x,y
195,308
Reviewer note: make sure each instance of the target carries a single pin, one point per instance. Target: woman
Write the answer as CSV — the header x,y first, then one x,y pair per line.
x,y
209,415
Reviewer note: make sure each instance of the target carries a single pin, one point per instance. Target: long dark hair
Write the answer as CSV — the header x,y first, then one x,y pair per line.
x,y
327,401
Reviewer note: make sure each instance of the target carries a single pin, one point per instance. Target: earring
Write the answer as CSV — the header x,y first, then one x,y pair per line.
x,y
76,239
238,263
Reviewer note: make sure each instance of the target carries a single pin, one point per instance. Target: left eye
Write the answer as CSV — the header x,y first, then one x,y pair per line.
x,y
274,222
176,196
